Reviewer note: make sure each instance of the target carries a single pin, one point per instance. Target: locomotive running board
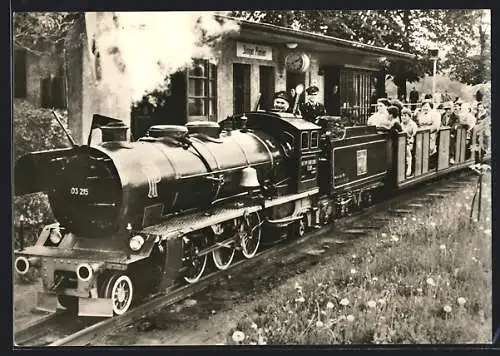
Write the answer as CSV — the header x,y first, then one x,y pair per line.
x,y
181,225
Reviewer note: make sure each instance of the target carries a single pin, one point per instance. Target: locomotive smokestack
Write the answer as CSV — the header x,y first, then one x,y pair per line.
x,y
115,131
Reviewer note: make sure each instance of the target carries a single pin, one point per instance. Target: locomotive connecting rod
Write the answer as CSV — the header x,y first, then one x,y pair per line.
x,y
216,246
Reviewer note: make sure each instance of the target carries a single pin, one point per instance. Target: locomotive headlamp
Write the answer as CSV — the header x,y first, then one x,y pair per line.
x,y
55,236
136,242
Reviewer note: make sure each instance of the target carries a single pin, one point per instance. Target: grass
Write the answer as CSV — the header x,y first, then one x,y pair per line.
x,y
425,278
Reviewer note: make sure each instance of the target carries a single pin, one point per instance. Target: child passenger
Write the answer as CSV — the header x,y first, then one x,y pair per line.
x,y
410,128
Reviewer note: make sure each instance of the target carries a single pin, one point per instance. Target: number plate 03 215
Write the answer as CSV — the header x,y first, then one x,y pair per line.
x,y
79,191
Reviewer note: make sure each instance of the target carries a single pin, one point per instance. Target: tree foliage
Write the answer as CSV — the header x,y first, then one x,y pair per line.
x,y
39,32
414,31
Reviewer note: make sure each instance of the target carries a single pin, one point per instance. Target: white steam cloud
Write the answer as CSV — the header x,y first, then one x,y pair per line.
x,y
136,51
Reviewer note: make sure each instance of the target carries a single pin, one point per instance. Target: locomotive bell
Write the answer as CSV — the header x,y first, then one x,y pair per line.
x,y
249,178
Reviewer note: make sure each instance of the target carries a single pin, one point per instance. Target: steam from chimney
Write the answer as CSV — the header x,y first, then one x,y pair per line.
x,y
137,51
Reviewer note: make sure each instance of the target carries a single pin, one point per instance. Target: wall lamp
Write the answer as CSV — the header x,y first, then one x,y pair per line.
x,y
292,45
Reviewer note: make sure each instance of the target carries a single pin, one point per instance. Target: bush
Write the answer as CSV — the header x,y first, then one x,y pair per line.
x,y
35,129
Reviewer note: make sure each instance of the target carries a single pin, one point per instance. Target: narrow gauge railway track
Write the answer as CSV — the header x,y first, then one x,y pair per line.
x,y
81,332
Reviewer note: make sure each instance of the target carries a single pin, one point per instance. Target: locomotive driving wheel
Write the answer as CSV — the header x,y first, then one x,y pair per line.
x,y
119,288
249,232
194,263
222,256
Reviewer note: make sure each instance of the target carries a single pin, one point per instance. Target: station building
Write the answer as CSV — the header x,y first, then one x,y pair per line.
x,y
255,62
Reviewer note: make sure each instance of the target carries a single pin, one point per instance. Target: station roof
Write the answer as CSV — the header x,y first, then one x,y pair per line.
x,y
320,41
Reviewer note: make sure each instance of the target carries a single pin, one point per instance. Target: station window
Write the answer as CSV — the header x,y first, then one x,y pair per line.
x,y
202,90
314,139
305,140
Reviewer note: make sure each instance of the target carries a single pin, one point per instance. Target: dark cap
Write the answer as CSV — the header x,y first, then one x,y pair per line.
x,y
283,95
312,90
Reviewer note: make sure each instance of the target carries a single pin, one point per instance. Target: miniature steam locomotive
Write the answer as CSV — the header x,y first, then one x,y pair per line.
x,y
144,215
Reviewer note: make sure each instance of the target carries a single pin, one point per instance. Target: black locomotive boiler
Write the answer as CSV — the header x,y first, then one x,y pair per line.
x,y
141,216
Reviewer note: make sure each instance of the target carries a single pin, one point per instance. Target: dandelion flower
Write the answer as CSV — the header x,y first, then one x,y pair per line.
x,y
404,218
374,279
461,301
254,326
238,336
350,318
371,304
447,308
431,282
300,300
433,224
395,238
353,271
414,218
344,302
329,305
320,285
384,235
420,290
319,324
381,301
442,247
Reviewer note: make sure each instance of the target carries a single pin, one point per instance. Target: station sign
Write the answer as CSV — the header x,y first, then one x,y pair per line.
x,y
254,51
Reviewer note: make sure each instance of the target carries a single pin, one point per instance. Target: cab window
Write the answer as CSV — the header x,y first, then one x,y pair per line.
x,y
305,140
314,139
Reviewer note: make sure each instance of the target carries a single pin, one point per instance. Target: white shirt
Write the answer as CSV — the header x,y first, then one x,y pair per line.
x,y
379,120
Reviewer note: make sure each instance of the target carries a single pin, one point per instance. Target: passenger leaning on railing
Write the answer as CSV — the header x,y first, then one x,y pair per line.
x,y
410,128
453,122
380,117
428,118
483,125
394,123
467,119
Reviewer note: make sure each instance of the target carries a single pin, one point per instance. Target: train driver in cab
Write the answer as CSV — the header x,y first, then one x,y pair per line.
x,y
311,109
281,101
